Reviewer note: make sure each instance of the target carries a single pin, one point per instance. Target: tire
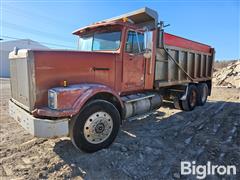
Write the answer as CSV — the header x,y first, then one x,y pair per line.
x,y
96,126
177,103
203,94
191,100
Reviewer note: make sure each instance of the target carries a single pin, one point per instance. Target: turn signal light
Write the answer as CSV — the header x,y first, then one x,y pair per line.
x,y
125,19
64,83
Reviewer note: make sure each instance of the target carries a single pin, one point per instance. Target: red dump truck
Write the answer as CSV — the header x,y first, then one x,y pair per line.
x,y
124,67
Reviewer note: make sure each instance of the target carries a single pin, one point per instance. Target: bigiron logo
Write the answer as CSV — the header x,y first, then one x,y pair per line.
x,y
202,171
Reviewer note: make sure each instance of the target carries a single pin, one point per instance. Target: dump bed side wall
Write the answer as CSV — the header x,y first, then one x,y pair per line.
x,y
197,64
173,40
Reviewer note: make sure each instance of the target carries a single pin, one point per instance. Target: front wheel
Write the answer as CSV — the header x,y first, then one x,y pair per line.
x,y
96,126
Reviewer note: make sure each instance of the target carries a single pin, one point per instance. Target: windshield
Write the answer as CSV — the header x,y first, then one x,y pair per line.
x,y
100,41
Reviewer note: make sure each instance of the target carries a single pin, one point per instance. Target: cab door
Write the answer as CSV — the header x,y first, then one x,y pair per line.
x,y
133,61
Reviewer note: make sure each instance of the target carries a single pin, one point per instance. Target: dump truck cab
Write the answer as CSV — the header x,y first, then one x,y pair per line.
x,y
124,67
128,43
133,37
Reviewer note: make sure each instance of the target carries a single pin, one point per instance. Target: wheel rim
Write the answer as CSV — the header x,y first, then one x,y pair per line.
x,y
98,127
204,93
193,98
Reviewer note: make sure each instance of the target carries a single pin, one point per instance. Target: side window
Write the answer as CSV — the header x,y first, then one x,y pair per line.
x,y
132,42
141,41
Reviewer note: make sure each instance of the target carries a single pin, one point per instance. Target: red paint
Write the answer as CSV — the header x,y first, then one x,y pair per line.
x,y
66,96
133,70
53,67
86,92
173,40
124,72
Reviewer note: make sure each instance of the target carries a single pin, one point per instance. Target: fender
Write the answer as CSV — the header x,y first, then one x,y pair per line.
x,y
85,92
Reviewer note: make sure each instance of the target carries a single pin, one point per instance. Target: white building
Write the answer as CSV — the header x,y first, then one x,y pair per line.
x,y
8,46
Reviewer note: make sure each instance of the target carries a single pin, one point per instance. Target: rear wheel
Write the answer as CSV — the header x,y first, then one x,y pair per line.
x,y
203,94
96,126
191,100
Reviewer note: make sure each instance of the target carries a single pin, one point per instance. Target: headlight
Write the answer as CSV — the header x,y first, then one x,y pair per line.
x,y
52,99
63,98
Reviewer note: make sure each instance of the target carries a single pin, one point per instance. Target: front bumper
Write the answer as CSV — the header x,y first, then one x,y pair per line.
x,y
44,128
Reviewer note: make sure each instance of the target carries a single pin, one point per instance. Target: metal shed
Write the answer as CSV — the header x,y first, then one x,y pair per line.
x,y
7,46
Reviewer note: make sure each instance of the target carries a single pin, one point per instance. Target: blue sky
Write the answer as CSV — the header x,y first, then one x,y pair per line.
x,y
213,22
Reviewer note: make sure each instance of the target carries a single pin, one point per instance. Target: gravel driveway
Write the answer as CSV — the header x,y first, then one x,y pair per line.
x,y
147,148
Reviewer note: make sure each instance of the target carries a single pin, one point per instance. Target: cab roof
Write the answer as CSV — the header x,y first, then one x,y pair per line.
x,y
141,17
96,25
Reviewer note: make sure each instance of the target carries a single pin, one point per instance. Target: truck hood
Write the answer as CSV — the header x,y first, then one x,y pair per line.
x,y
45,69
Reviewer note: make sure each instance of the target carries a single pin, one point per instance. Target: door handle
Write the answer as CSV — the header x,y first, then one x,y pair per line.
x,y
100,69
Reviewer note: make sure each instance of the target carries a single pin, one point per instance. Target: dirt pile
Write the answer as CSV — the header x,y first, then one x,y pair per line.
x,y
228,76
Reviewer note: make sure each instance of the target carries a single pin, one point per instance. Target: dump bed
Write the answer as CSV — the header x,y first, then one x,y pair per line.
x,y
182,61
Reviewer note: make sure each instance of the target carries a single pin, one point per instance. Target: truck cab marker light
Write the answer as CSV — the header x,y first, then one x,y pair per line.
x,y
64,83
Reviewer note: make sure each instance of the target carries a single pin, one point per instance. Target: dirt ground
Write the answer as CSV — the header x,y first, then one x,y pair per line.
x,y
149,148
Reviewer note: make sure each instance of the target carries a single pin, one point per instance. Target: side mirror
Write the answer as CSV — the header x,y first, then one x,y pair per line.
x,y
147,54
147,43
